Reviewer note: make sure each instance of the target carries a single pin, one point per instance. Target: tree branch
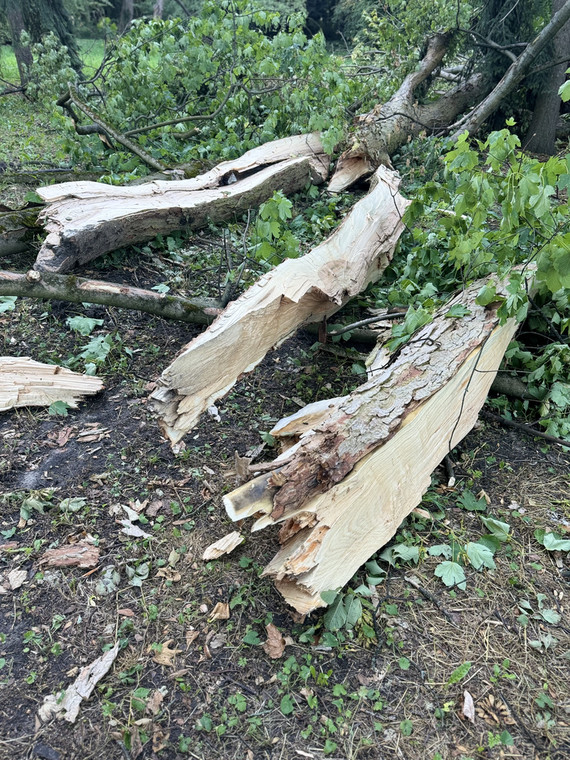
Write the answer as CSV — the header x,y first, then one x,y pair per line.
x,y
57,287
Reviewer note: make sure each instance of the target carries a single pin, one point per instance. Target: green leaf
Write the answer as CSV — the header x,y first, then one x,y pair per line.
x,y
353,610
440,550
551,616
457,310
251,638
287,705
328,597
83,325
469,502
554,543
335,617
7,303
498,529
404,663
459,673
480,556
407,727
72,505
407,553
487,295
58,408
452,574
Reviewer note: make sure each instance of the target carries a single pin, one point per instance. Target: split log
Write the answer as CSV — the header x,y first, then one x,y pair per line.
x,y
24,382
57,287
363,462
384,130
87,219
296,292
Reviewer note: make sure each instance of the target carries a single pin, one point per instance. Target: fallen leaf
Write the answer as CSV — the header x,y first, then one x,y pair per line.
x,y
133,530
9,546
468,706
191,636
60,437
223,546
242,467
218,640
275,644
154,702
169,574
154,507
137,505
220,612
16,578
159,739
166,655
78,555
126,612
136,743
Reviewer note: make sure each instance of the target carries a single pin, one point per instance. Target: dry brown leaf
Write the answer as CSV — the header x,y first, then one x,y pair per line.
x,y
220,612
78,555
154,702
223,546
275,644
136,743
126,612
191,636
218,640
60,437
241,465
166,655
169,574
494,712
154,507
159,739
468,706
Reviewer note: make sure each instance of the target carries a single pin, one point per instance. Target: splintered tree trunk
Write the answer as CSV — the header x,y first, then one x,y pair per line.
x,y
87,219
296,292
388,126
361,463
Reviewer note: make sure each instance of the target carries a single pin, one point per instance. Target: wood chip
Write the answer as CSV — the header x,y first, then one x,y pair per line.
x,y
223,546
78,555
275,644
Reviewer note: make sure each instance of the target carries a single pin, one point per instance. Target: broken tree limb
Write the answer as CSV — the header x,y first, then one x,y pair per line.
x,y
81,230
384,130
363,462
58,287
294,293
24,382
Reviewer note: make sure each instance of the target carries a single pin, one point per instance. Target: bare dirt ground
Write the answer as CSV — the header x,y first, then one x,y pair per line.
x,y
189,683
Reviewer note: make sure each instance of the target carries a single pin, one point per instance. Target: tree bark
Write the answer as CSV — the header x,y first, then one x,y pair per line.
x,y
86,219
127,14
158,9
298,291
361,463
514,74
541,135
43,16
13,10
55,287
388,126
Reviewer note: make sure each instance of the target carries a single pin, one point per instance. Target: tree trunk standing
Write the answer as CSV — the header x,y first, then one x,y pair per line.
x,y
13,10
40,17
541,133
127,14
158,9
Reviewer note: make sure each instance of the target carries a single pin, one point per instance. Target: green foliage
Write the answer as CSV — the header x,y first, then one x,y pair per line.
x,y
227,80
51,70
273,241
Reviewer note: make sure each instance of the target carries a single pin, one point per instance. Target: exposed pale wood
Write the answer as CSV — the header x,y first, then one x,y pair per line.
x,y
24,382
58,287
296,292
79,230
357,473
223,545
265,155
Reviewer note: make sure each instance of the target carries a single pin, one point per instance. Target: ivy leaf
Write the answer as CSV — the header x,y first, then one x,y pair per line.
x,y
287,705
554,543
469,502
452,574
440,550
480,556
58,408
407,553
251,638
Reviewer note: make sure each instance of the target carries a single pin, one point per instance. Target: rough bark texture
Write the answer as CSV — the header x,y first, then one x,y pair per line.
x,y
363,462
13,10
86,219
41,17
388,126
541,133
294,293
56,287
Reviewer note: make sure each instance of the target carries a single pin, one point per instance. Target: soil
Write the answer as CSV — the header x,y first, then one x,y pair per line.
x,y
186,685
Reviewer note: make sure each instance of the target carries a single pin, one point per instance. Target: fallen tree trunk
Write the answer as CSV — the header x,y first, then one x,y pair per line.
x,y
86,219
384,130
57,287
362,462
24,382
17,229
296,292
